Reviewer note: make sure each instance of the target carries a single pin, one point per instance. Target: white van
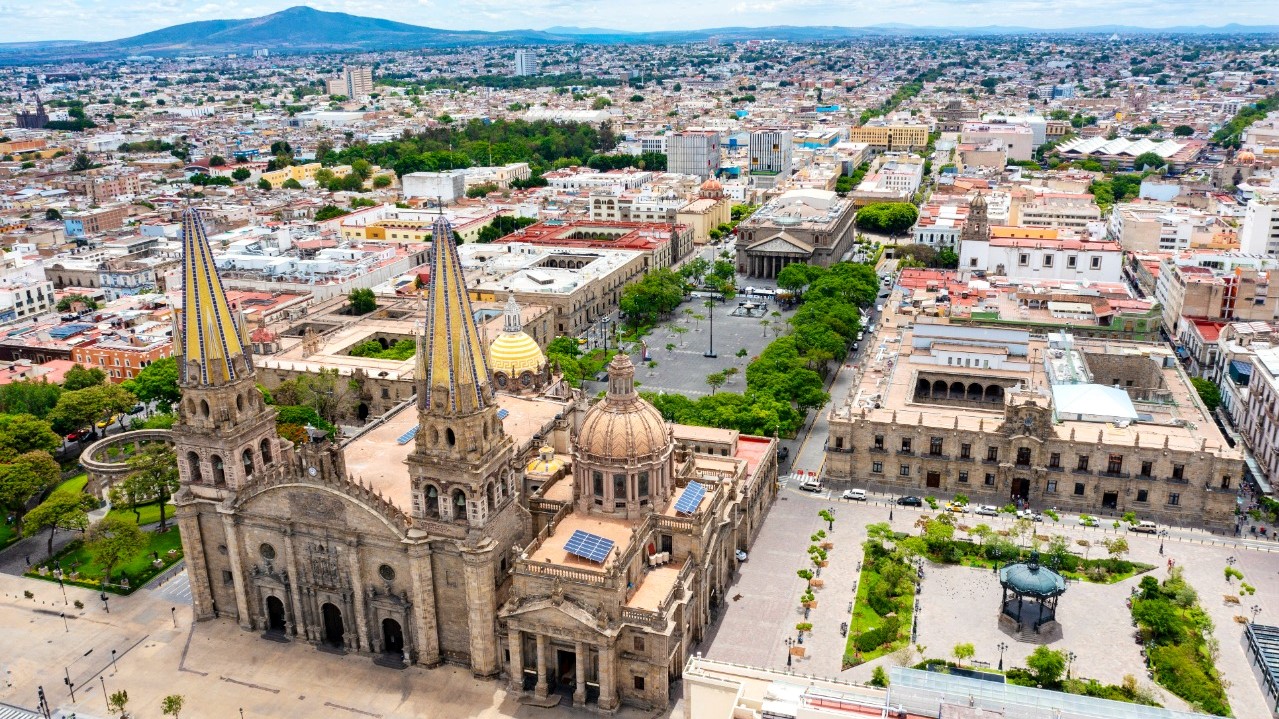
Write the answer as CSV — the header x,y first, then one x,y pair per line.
x,y
811,485
856,495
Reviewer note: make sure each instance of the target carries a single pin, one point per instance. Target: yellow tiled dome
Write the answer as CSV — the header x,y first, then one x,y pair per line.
x,y
515,353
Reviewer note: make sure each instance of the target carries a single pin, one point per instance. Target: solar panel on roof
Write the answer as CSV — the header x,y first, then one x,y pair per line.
x,y
408,436
589,546
690,498
502,414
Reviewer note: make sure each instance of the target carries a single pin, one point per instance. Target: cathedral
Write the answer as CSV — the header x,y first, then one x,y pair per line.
x,y
577,553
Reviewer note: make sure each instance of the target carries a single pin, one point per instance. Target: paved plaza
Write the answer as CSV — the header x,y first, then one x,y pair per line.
x,y
960,604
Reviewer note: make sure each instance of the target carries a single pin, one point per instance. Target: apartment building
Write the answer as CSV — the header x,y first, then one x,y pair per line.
x,y
91,222
1221,288
1260,425
298,173
1100,427
693,152
883,136
447,187
1019,140
1163,227
356,81
525,63
894,172
123,355
1259,232
1059,209
771,155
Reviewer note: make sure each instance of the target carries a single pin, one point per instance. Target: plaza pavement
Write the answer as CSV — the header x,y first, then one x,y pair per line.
x,y
960,604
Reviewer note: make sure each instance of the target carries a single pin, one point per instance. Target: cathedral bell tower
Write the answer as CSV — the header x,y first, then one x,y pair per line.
x,y
225,434
463,466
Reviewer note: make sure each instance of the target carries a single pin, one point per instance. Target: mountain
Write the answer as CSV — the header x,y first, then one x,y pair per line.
x,y
302,29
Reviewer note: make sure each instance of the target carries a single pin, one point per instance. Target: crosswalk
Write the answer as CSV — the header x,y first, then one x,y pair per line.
x,y
176,590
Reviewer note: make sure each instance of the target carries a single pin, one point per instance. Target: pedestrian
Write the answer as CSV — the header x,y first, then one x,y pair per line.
x,y
28,561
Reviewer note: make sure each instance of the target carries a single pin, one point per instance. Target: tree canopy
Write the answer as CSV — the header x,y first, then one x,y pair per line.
x,y
157,382
113,540
654,296
80,377
887,217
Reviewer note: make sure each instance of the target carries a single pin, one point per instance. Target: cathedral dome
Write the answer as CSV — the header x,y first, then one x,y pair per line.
x,y
1245,158
623,426
515,354
712,185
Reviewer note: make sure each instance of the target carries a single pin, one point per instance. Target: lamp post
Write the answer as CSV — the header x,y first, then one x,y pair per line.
x,y
710,314
105,698
1256,609
1070,659
604,331
1231,560
1163,534
1002,647
789,643
64,622
173,613
105,605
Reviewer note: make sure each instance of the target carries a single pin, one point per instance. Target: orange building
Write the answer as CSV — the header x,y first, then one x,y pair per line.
x,y
122,357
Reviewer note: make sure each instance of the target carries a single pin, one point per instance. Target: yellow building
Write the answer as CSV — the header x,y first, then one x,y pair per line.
x,y
904,137
301,173
710,210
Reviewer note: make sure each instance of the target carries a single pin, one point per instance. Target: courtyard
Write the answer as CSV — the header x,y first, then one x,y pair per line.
x,y
959,604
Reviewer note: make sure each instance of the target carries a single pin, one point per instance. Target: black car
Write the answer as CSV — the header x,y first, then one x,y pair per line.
x,y
910,501
783,452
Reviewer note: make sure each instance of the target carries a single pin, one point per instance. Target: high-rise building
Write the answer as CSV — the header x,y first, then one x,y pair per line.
x,y
771,152
693,152
1259,233
525,63
356,81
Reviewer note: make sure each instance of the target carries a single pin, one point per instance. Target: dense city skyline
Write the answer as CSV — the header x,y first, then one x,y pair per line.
x,y
89,20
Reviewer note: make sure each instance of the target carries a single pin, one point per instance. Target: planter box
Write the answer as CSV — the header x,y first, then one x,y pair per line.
x,y
827,546
824,562
818,583
797,651
810,605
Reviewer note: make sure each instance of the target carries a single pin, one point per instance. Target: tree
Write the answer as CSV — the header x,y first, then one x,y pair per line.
x,y
715,380
81,408
1209,392
265,184
1116,547
328,212
963,651
1149,159
22,433
1047,665
117,702
52,214
382,182
325,394
654,296
172,705
25,477
113,540
362,301
63,510
217,161
796,276
1183,131
80,377
240,174
291,184
157,382
155,471
879,677
66,303
887,217
28,397
81,163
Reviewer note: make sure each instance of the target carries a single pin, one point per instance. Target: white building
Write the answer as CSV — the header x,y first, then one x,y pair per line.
x,y
1018,139
445,186
771,155
1259,233
939,225
525,63
1044,258
693,152
898,172
24,290
356,81
1260,419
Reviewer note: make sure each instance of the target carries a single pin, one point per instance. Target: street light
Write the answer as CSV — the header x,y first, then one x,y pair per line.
x,y
105,698
64,622
103,597
1070,659
1256,609
710,313
1163,534
1002,647
604,331
1231,560
789,643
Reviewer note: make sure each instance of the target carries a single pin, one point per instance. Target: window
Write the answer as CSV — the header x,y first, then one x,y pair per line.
x,y
1147,468
839,443
965,451
227,577
643,484
1054,460
1096,263
619,486
992,454
1023,259
990,479
1143,495
1225,482
597,482
1048,260
877,467
1115,464
639,644
1079,489
904,470
934,446
1082,466
963,476
879,441
1072,261
1179,471
1023,456
905,444
1174,499
1051,487
639,683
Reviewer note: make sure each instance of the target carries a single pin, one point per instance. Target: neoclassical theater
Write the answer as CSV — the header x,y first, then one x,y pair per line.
x,y
578,552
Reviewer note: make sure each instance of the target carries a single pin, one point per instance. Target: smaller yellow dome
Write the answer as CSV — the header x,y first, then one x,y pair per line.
x,y
514,353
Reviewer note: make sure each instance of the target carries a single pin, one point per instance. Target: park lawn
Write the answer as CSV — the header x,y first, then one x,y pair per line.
x,y
75,484
139,569
980,562
865,618
8,535
150,513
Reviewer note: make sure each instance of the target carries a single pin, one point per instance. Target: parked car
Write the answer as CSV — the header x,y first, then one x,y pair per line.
x,y
1030,514
78,435
109,421
910,501
783,452
1145,527
857,495
957,508
138,409
811,485
1087,521
987,510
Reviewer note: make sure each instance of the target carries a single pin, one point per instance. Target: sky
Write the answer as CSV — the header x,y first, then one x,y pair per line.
x,y
28,20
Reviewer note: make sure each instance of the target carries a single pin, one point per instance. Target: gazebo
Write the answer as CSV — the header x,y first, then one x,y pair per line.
x,y
1030,593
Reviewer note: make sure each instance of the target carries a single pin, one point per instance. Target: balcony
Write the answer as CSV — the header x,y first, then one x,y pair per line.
x,y
1114,475
1057,468
878,450
1077,470
1146,477
906,452
1179,480
843,450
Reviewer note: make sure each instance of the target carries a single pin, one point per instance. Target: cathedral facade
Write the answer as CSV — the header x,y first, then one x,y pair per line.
x,y
415,542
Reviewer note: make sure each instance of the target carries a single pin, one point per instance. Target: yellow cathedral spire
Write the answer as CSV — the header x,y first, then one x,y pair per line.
x,y
452,358
210,339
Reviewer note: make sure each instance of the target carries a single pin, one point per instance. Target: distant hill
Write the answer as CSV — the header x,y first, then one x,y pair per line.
x,y
305,30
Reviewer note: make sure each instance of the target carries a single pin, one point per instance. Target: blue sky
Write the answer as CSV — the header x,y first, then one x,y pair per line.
x,y
27,20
